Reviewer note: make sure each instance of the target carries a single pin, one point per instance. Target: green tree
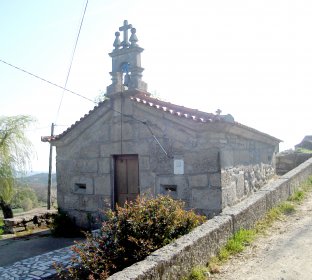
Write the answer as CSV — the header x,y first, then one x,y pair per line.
x,y
24,197
15,152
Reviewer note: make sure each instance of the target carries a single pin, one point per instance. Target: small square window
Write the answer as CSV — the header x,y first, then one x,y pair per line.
x,y
80,187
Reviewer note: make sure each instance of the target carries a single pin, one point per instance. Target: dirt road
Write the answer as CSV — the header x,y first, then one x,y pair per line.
x,y
284,254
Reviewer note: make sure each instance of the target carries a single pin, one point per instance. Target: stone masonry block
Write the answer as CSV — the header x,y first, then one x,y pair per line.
x,y
86,165
226,158
278,191
105,165
110,149
82,185
240,184
215,180
206,198
70,201
102,185
198,180
147,181
89,203
183,190
229,196
144,163
135,147
225,178
246,213
90,151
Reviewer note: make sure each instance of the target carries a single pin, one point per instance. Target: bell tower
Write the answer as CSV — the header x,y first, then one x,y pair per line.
x,y
126,62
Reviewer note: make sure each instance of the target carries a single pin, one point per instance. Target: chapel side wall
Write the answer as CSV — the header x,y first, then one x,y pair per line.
x,y
247,165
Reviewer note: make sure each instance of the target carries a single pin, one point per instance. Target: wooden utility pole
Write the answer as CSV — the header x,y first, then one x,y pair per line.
x,y
50,169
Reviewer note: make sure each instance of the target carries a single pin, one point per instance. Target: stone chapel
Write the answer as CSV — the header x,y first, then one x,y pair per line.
x,y
133,144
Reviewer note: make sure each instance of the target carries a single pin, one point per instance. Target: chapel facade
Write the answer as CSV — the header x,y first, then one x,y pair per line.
x,y
133,144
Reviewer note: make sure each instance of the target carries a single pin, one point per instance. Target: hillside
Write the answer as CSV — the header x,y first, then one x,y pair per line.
x,y
38,180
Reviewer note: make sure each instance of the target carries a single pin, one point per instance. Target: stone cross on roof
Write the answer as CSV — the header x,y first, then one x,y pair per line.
x,y
125,29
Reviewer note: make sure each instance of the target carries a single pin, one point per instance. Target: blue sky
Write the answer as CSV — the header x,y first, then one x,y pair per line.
x,y
251,59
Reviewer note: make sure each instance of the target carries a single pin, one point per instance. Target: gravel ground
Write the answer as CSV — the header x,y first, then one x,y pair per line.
x,y
285,253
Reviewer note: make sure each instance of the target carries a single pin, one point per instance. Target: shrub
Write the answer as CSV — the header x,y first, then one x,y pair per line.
x,y
24,198
130,234
63,226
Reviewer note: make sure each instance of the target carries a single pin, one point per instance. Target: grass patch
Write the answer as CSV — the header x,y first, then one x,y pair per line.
x,y
286,208
198,273
237,243
23,233
297,196
304,151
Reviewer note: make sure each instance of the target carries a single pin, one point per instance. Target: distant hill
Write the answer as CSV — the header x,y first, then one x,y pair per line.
x,y
38,180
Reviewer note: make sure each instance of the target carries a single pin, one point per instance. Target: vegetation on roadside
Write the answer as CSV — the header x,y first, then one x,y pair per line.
x,y
129,234
64,226
238,242
304,151
198,273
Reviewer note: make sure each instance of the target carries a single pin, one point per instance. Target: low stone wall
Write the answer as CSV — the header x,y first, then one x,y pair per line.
x,y
28,221
176,259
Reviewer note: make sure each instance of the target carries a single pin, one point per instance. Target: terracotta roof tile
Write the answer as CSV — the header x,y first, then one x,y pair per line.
x,y
167,107
177,110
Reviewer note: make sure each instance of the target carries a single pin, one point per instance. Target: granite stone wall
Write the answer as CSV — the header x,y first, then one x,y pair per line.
x,y
240,182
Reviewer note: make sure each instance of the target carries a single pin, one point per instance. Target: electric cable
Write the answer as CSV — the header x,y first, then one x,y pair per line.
x,y
71,61
86,98
47,81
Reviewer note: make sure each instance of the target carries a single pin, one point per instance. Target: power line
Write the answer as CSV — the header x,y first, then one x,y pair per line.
x,y
103,104
47,81
71,61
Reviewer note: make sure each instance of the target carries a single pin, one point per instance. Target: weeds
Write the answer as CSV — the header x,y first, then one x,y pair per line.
x,y
198,273
297,196
237,243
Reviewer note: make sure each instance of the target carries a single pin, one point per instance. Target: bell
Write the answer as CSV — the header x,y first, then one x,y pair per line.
x,y
126,80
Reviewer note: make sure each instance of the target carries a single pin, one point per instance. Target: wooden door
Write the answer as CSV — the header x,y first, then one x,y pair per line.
x,y
126,178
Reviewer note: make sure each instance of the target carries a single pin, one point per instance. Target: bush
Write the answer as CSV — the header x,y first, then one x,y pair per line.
x,y
27,204
130,234
24,198
63,226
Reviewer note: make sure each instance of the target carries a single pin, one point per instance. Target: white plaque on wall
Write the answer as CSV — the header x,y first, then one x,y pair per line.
x,y
178,166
